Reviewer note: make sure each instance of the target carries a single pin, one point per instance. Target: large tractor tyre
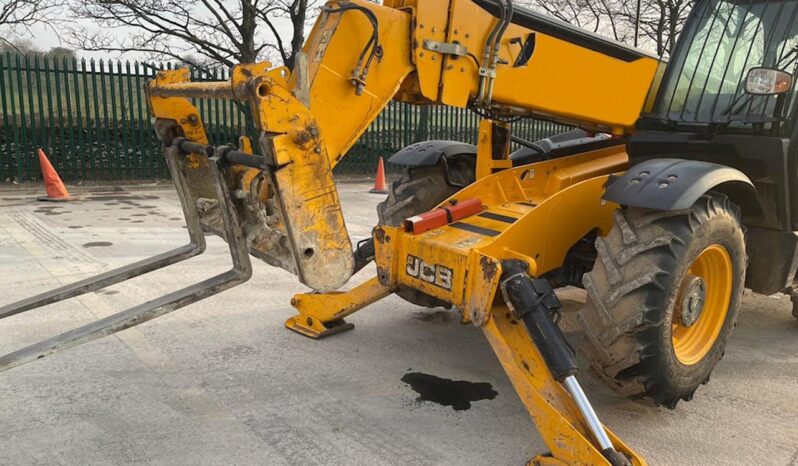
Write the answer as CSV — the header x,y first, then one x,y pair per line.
x,y
421,189
663,298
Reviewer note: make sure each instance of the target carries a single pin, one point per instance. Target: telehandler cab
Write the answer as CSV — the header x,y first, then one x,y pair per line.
x,y
679,188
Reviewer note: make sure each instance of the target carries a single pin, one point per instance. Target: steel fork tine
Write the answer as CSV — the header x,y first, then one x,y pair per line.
x,y
241,271
195,247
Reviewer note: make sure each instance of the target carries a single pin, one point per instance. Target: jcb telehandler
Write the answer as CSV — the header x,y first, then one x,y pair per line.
x,y
679,188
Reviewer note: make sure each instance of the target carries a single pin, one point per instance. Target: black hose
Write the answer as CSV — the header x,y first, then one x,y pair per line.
x,y
504,26
373,43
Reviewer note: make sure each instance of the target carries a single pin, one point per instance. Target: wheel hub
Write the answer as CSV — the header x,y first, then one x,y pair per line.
x,y
693,298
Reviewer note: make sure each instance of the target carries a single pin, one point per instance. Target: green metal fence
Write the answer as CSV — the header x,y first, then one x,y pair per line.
x,y
91,119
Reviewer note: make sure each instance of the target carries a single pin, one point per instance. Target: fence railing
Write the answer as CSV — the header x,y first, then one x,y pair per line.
x,y
91,119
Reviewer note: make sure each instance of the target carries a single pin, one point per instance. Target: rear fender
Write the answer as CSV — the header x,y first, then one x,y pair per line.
x,y
675,184
429,153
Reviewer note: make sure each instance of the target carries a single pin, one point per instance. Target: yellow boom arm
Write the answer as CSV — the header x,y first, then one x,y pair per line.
x,y
358,57
281,204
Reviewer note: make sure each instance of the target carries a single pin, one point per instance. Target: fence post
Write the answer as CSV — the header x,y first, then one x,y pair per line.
x,y
43,141
106,80
5,155
59,108
98,149
116,141
51,145
17,127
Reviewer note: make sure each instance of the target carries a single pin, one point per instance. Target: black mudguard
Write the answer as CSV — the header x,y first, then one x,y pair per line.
x,y
675,184
428,153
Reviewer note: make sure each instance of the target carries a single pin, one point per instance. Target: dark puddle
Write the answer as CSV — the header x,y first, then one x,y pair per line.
x,y
51,210
75,227
98,244
122,198
455,393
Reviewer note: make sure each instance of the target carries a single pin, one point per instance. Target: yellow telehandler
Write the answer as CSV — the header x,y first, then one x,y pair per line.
x,y
646,205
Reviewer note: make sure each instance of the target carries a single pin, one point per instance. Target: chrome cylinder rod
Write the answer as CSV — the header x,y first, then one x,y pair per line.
x,y
593,423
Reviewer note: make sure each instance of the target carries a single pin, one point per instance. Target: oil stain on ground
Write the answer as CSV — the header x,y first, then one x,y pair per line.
x,y
98,244
51,210
459,394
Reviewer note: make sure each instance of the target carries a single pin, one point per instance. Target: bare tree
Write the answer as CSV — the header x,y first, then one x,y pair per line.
x,y
16,15
598,16
224,32
661,21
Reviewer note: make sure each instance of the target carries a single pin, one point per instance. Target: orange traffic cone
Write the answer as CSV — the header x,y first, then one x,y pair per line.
x,y
56,191
379,183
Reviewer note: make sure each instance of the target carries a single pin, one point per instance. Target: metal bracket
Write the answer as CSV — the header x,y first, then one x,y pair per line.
x,y
446,48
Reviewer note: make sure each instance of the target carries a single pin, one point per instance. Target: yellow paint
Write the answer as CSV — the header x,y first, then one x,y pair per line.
x,y
553,203
178,109
431,19
554,412
562,80
317,311
486,164
332,49
691,344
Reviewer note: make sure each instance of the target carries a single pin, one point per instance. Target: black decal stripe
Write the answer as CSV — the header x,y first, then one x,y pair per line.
x,y
474,229
498,217
528,204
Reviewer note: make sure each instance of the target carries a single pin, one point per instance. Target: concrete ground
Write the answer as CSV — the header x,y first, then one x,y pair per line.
x,y
223,382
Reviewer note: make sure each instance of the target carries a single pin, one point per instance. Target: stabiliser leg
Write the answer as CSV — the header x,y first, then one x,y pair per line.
x,y
322,314
240,272
542,368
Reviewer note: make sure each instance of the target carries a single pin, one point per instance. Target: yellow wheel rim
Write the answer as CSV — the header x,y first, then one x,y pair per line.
x,y
702,305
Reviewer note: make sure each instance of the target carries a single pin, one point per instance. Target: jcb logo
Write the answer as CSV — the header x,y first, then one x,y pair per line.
x,y
436,274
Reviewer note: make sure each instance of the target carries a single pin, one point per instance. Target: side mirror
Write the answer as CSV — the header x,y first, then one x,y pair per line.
x,y
767,81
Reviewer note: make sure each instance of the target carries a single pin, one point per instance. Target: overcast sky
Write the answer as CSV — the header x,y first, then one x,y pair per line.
x,y
46,37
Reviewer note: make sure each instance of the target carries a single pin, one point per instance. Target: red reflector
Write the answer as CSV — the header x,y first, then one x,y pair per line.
x,y
442,215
